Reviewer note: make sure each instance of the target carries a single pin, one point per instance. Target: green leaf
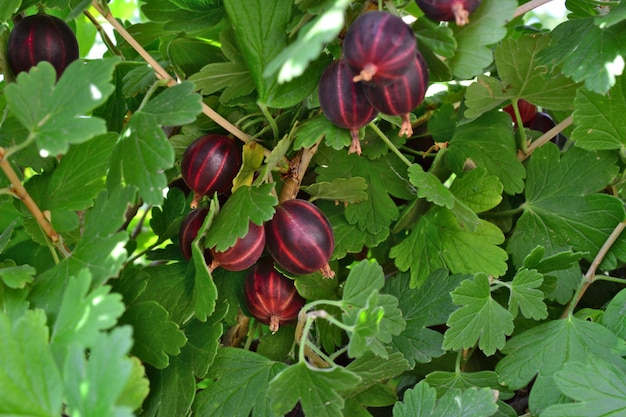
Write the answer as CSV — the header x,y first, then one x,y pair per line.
x,y
232,77
83,314
373,370
263,41
557,262
165,221
318,127
345,190
94,384
439,241
8,8
360,303
421,401
204,290
176,105
54,113
438,38
317,390
488,143
155,336
422,307
172,390
5,236
596,387
559,194
247,204
141,156
385,176
80,176
16,276
597,120
430,187
614,318
31,382
486,27
587,52
520,76
444,381
480,319
137,387
240,384
203,340
526,295
366,327
312,38
478,190
544,349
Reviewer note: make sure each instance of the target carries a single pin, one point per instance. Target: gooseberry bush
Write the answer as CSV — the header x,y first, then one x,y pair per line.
x,y
448,244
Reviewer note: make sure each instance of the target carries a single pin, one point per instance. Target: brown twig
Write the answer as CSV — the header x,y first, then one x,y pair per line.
x,y
161,73
590,276
525,8
546,137
20,192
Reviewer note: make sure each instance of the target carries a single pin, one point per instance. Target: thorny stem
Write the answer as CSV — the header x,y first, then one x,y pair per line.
x,y
389,144
590,276
164,75
298,166
545,138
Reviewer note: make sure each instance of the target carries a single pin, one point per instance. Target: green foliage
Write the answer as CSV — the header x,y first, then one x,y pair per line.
x,y
476,265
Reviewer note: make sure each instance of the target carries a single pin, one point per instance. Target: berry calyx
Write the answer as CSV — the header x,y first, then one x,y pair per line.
x,y
448,10
379,47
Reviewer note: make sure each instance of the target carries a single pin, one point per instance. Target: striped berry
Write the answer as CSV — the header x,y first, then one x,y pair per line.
x,y
300,238
270,296
448,10
189,230
379,47
210,164
245,252
400,97
343,101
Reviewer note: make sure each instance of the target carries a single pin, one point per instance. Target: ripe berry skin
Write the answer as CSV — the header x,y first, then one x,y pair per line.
x,y
527,111
448,10
189,230
245,252
210,164
299,237
41,37
400,97
343,101
379,47
270,296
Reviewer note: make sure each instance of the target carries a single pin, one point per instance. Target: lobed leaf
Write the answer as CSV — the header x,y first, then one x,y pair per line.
x,y
526,295
480,319
317,389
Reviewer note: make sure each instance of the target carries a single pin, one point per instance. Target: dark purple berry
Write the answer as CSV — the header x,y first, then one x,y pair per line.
x,y
403,95
270,296
343,101
379,47
300,238
41,37
189,230
448,10
543,122
245,252
210,164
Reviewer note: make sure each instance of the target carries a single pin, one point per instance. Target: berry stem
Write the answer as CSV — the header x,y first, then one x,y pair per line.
x,y
390,145
545,138
532,4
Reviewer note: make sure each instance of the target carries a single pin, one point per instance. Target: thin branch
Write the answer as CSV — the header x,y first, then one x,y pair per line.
x,y
590,276
164,75
20,192
546,137
525,8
